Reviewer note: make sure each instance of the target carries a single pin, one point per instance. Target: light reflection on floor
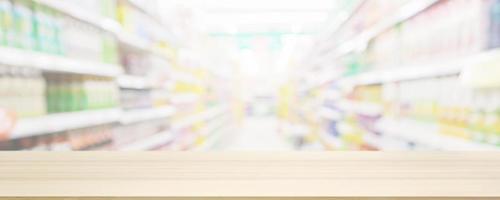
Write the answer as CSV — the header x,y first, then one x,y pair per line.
x,y
258,133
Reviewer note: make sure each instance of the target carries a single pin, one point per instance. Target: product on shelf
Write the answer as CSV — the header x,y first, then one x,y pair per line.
x,y
87,42
472,114
135,99
494,24
367,16
133,133
69,93
447,30
369,93
24,32
135,21
6,30
81,40
161,97
136,64
108,7
99,8
22,91
109,49
458,111
93,138
48,30
103,137
84,35
33,26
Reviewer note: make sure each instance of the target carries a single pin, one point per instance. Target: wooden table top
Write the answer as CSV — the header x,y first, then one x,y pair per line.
x,y
250,174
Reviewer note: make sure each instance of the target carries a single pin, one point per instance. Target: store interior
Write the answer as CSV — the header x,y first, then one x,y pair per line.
x,y
240,75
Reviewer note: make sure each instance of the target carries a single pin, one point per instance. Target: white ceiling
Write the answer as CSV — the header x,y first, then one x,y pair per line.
x,y
234,16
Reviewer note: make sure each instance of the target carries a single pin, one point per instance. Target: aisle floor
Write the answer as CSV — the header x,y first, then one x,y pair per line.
x,y
258,134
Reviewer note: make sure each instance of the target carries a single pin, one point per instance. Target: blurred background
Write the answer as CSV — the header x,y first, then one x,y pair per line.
x,y
231,75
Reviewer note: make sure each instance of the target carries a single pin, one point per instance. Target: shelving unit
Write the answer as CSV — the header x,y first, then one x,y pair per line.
x,y
340,21
139,115
359,42
330,114
62,122
150,142
185,98
217,135
104,24
72,10
330,142
162,29
134,82
147,86
428,134
23,58
391,65
216,124
404,13
481,71
421,71
200,117
362,108
137,4
109,25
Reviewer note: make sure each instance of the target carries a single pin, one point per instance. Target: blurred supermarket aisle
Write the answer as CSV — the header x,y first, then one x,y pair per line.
x,y
139,75
258,134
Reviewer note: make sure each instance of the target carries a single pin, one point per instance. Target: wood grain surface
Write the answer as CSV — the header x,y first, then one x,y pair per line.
x,y
248,198
250,174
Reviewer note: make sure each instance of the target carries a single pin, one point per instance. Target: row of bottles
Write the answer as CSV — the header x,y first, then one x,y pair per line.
x,y
28,93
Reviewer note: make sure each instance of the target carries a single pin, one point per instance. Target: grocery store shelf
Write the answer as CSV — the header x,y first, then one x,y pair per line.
x,y
134,82
162,30
146,114
428,134
214,139
150,142
137,4
359,42
330,114
403,74
361,108
63,122
184,98
214,125
133,42
330,142
200,117
471,67
484,71
53,63
385,143
71,10
339,22
321,78
376,141
213,133
294,129
102,23
185,77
